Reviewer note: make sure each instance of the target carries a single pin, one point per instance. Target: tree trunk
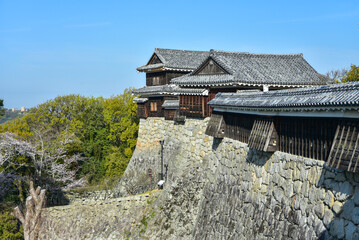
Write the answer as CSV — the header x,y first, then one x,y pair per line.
x,y
31,221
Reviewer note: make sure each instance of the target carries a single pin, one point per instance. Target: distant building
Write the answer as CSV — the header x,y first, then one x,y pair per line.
x,y
22,109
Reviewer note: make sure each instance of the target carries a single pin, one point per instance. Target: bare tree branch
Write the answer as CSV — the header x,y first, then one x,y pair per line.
x,y
48,160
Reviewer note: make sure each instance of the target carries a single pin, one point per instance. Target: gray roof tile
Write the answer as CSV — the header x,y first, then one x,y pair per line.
x,y
191,91
139,100
177,59
255,69
169,89
322,97
171,104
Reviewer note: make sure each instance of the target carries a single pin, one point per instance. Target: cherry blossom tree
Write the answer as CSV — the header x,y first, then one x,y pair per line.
x,y
40,159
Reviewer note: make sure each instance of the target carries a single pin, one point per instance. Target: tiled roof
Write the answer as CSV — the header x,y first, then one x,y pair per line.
x,y
167,89
191,91
326,97
205,80
139,100
177,59
151,66
171,104
255,69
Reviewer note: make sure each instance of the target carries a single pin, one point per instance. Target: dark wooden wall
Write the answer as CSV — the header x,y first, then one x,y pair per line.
x,y
191,106
307,137
196,105
238,126
169,114
156,78
158,101
161,78
144,109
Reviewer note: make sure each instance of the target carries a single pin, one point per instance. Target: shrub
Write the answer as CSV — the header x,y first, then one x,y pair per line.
x,y
10,229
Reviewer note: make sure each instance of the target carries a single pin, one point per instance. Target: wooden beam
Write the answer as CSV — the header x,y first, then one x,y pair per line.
x,y
329,161
343,148
354,148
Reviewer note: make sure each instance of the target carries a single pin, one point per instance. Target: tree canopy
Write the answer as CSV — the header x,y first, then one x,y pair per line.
x,y
352,75
2,112
99,133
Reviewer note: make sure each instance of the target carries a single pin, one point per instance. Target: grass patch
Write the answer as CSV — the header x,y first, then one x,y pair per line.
x,y
144,221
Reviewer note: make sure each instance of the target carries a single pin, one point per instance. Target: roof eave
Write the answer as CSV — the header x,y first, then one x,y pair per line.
x,y
339,111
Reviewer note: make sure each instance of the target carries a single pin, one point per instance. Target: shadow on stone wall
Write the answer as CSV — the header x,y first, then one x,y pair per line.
x,y
341,216
54,194
216,143
258,157
11,183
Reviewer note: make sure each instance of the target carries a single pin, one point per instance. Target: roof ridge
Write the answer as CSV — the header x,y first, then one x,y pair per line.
x,y
179,50
256,54
303,91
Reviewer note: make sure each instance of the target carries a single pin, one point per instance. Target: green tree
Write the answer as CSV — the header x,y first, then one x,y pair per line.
x,y
2,111
121,116
9,227
352,75
102,130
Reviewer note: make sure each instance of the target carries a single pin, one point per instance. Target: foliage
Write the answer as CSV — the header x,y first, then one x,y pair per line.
x,y
9,227
88,137
25,159
2,111
352,75
116,162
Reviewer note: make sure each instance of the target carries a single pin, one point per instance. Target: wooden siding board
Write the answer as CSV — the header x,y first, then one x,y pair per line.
x,y
354,148
261,134
344,147
216,126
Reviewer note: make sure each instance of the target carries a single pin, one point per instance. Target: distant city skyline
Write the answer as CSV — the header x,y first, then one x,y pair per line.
x,y
91,48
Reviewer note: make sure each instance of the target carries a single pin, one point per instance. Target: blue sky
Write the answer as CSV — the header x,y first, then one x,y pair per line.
x,y
92,48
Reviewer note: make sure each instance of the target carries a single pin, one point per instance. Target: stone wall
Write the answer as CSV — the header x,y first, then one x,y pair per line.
x,y
116,218
183,149
215,189
90,195
221,189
